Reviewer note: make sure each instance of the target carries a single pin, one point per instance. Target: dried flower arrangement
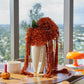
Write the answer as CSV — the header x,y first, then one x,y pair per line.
x,y
44,32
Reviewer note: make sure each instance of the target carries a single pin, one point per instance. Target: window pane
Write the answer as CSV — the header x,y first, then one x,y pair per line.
x,y
53,9
4,30
78,27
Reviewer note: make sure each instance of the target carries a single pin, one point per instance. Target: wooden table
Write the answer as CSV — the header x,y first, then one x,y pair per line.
x,y
21,79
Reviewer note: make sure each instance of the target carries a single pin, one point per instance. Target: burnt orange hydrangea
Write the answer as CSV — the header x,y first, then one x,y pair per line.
x,y
46,30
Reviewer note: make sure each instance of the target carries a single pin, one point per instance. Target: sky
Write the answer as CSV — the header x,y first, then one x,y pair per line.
x,y
51,8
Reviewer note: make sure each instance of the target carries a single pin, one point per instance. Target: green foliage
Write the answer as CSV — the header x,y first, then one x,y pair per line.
x,y
5,42
34,15
25,26
34,25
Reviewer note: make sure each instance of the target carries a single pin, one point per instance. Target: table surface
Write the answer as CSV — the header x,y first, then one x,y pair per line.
x,y
22,79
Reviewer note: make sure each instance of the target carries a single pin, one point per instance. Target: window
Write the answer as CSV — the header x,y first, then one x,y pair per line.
x,y
78,27
4,30
53,9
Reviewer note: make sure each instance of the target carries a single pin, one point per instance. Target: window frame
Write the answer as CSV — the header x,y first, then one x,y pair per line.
x,y
14,25
68,29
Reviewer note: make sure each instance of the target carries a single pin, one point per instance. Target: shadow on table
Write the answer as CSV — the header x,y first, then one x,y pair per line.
x,y
74,79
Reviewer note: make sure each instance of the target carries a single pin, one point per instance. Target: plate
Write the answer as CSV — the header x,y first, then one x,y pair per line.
x,y
62,77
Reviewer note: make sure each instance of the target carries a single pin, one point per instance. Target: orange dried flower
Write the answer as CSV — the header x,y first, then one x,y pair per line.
x,y
46,30
44,34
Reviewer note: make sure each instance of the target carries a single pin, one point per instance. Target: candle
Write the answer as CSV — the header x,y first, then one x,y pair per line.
x,y
5,68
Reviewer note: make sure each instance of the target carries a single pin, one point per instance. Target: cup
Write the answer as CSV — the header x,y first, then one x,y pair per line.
x,y
14,67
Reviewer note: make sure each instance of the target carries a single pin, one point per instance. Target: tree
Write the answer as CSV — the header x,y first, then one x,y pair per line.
x,y
35,14
5,42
